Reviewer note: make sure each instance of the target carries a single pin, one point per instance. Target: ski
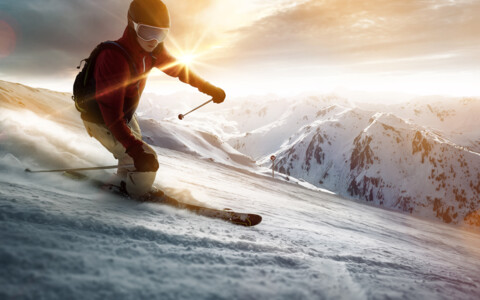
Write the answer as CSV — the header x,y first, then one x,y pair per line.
x,y
237,218
158,196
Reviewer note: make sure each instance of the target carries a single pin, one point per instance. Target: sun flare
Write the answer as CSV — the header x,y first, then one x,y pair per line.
x,y
187,58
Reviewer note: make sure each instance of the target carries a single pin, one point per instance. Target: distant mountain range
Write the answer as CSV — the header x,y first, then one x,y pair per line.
x,y
419,157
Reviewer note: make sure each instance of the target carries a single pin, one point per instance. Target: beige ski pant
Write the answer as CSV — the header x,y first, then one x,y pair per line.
x,y
137,183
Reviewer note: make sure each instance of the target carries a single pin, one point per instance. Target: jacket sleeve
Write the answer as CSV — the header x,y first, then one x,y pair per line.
x,y
167,63
112,75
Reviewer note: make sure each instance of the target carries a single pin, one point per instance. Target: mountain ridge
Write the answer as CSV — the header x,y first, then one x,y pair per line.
x,y
388,161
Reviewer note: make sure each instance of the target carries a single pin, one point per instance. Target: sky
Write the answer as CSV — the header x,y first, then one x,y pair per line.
x,y
262,46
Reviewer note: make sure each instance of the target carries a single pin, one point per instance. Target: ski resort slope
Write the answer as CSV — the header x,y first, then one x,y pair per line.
x,y
63,239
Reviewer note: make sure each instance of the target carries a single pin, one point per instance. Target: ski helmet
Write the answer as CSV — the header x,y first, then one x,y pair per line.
x,y
149,12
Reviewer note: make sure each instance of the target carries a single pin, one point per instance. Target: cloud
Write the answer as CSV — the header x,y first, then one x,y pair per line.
x,y
188,16
53,35
350,32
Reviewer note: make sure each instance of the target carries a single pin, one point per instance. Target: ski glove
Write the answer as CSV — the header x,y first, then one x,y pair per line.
x,y
216,93
143,161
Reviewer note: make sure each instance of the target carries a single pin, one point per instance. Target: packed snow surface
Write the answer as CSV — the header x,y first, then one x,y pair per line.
x,y
65,239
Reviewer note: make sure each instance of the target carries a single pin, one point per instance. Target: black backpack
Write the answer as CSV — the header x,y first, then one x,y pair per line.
x,y
84,86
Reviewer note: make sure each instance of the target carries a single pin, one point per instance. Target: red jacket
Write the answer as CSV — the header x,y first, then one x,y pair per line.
x,y
117,94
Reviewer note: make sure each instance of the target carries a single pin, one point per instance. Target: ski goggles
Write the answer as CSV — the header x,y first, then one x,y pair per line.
x,y
149,33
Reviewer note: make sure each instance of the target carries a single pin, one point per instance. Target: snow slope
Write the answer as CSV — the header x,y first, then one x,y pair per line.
x,y
49,120
64,239
171,134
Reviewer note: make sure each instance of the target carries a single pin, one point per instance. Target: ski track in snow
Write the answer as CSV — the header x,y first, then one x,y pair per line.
x,y
64,239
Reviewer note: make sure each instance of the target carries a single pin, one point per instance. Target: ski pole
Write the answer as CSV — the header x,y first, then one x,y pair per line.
x,y
181,116
80,169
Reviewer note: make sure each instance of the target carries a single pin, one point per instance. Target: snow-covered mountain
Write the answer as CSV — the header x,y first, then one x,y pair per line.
x,y
454,118
420,157
277,121
383,159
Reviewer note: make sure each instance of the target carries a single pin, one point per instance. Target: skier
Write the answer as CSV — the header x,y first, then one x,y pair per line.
x,y
117,91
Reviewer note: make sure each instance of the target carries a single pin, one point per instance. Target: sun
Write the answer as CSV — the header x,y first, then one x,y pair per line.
x,y
191,56
187,58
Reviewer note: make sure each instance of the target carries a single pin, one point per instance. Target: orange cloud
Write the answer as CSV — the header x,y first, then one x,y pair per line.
x,y
359,31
